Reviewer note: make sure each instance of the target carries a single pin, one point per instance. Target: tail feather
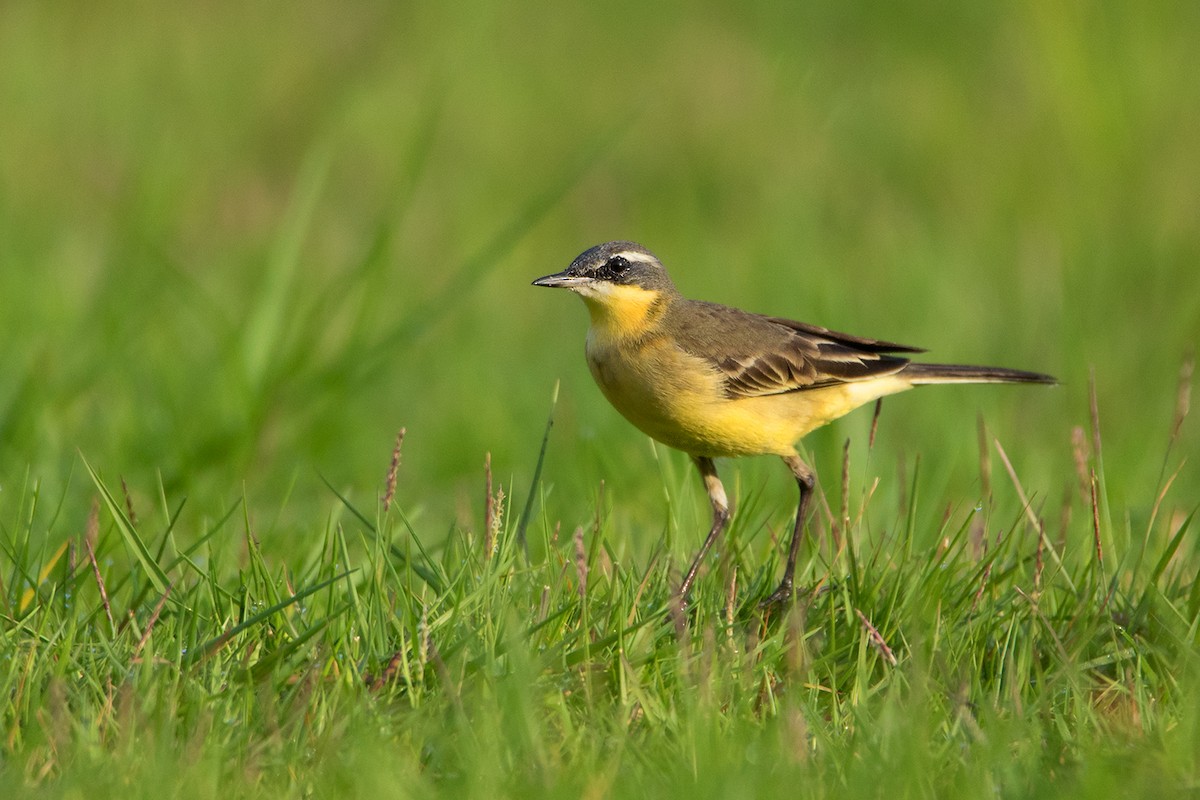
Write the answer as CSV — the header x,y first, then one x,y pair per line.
x,y
921,374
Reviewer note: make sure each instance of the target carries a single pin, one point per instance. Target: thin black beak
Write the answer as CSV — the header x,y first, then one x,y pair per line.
x,y
560,280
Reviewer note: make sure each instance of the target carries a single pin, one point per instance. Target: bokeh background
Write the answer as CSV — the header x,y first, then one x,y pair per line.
x,y
241,245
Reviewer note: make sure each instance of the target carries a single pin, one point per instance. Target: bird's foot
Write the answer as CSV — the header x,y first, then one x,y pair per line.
x,y
678,610
781,598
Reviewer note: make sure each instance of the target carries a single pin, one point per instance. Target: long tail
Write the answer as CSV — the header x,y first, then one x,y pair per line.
x,y
921,374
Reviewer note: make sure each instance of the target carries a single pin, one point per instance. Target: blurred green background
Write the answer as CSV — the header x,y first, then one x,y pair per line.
x,y
241,245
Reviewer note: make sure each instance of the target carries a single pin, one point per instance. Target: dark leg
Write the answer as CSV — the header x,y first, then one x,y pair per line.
x,y
720,509
806,480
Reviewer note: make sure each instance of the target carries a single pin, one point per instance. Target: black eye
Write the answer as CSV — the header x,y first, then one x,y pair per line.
x,y
617,264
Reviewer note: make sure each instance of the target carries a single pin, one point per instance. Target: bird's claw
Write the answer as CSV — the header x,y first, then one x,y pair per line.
x,y
780,598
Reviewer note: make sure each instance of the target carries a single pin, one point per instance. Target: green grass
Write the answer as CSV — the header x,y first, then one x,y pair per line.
x,y
182,658
241,248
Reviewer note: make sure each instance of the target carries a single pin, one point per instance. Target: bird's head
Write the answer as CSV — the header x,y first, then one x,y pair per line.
x,y
613,272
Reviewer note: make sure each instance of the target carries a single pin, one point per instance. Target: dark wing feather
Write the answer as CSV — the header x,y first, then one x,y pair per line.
x,y
860,342
760,356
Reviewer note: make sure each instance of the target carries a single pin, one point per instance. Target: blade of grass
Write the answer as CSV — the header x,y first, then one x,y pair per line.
x,y
212,645
263,667
527,511
153,571
31,592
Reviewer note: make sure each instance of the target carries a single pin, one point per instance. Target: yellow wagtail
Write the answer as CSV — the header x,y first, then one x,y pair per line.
x,y
716,381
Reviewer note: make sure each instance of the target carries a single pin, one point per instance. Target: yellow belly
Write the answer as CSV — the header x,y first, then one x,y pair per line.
x,y
679,400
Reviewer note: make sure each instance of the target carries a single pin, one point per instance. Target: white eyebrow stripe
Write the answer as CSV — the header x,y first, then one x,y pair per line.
x,y
633,255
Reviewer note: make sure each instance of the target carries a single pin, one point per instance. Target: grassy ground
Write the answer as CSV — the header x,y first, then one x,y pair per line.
x,y
241,247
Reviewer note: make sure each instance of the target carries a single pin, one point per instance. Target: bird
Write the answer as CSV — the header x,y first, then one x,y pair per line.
x,y
718,382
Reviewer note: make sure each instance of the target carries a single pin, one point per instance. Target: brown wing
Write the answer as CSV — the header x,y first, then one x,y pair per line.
x,y
760,356
862,343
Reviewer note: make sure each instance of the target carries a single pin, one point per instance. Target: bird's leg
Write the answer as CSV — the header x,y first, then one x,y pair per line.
x,y
806,480
721,514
